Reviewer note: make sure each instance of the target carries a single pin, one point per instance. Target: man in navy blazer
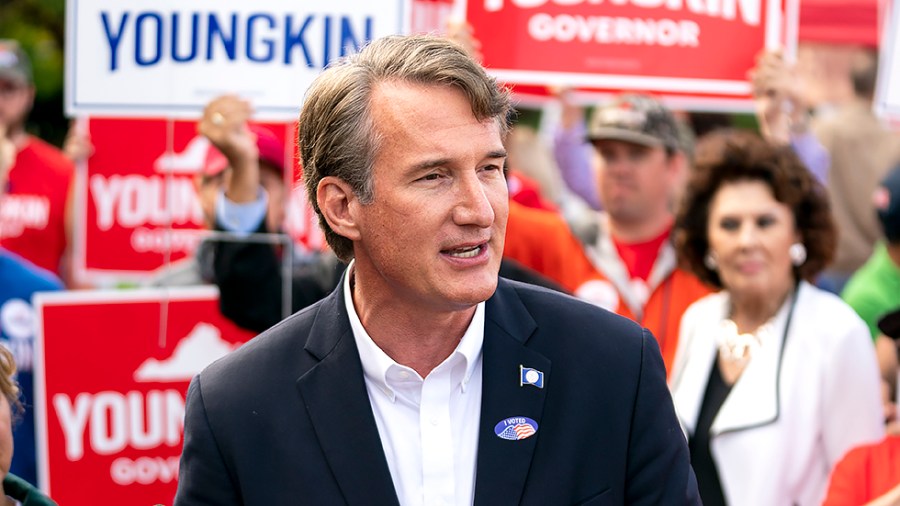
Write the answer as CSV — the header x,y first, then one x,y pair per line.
x,y
424,378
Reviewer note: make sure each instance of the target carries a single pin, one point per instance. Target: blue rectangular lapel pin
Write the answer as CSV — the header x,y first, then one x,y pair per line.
x,y
529,376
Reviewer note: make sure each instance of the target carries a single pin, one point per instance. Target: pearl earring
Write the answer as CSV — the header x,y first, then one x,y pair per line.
x,y
797,252
710,261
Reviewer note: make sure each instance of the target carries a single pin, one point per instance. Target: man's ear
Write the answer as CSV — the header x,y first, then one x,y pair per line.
x,y
338,204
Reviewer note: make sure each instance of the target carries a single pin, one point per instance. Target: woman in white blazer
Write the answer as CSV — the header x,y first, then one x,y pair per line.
x,y
774,379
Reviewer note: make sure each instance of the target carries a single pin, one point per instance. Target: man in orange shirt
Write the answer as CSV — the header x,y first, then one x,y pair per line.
x,y
628,264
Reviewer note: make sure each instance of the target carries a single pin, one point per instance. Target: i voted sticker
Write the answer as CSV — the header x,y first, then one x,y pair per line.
x,y
515,428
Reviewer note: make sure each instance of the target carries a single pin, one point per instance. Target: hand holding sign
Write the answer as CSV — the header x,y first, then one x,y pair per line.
x,y
463,34
7,157
224,123
77,146
779,99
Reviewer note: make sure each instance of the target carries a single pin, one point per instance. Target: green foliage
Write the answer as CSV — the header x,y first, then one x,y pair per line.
x,y
39,26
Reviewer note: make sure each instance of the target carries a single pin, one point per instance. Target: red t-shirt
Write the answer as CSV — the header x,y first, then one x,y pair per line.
x,y
865,473
640,257
32,213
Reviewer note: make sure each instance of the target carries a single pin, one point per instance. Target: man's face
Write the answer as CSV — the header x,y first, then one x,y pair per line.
x,y
634,181
16,99
434,233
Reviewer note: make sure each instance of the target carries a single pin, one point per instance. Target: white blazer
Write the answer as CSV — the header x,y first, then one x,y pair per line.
x,y
782,428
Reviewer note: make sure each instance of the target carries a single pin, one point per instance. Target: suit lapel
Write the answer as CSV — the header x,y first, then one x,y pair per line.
x,y
753,401
503,465
335,396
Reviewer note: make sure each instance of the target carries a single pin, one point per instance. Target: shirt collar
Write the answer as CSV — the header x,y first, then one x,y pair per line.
x,y
376,363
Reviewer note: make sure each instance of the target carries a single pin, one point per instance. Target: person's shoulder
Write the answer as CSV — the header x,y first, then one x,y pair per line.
x,y
21,273
871,455
570,319
50,156
580,339
25,493
278,350
710,303
864,283
811,296
827,313
541,300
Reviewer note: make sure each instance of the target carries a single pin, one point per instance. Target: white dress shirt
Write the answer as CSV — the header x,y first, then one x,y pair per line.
x,y
428,428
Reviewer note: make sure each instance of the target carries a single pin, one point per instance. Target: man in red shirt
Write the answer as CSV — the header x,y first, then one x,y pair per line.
x,y
33,213
629,263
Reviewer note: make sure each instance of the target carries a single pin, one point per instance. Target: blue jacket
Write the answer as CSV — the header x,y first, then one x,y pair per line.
x,y
286,418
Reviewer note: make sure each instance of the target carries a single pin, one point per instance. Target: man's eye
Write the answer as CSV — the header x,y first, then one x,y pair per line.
x,y
431,177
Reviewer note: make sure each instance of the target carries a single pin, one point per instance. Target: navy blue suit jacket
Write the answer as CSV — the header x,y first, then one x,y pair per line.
x,y
286,419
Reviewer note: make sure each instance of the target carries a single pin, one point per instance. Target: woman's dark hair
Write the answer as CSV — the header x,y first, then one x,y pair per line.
x,y
728,156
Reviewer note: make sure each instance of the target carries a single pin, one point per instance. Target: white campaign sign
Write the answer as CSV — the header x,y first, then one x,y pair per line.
x,y
887,96
158,58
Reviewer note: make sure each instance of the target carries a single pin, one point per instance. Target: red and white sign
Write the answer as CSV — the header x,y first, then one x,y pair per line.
x,y
137,204
700,47
111,375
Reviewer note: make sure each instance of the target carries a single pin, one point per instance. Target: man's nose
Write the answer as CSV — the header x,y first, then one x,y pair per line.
x,y
473,206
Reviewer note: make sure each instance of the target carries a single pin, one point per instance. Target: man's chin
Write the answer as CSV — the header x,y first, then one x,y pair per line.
x,y
476,293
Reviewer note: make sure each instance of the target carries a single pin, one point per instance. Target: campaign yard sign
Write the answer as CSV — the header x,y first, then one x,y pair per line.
x,y
887,93
137,204
700,47
159,58
112,371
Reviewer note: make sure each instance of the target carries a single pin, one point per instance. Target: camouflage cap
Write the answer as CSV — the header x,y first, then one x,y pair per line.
x,y
635,118
14,63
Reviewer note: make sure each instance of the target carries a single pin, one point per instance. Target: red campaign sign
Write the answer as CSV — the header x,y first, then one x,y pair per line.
x,y
112,371
137,201
679,46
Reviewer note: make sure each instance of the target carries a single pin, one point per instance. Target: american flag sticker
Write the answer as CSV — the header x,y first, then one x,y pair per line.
x,y
515,428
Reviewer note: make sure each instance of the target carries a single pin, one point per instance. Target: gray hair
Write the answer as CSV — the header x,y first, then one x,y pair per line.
x,y
337,135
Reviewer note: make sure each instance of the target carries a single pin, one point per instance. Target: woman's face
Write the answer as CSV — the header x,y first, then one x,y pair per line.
x,y
749,236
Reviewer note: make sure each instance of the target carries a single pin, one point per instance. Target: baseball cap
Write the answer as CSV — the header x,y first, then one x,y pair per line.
x,y
887,203
635,118
889,324
271,152
14,63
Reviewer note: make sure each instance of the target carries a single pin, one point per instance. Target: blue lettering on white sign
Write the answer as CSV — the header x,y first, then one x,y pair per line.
x,y
268,44
227,39
113,37
155,37
195,27
140,38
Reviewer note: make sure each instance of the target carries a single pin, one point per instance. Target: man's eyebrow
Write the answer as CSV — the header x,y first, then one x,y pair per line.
x,y
429,164
441,162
